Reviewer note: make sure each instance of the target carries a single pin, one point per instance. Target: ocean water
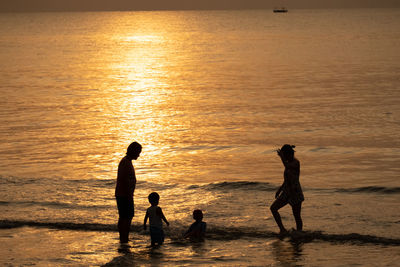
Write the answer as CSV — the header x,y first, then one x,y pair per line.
x,y
210,95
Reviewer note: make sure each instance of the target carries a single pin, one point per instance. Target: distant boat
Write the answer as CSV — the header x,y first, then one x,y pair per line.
x,y
280,10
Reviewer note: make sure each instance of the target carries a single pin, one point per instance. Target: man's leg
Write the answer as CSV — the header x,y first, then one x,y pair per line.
x,y
124,226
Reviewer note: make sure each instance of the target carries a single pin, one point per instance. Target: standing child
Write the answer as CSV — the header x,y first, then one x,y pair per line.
x,y
155,216
198,229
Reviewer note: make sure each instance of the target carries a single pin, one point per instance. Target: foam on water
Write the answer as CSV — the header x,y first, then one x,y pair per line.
x,y
214,232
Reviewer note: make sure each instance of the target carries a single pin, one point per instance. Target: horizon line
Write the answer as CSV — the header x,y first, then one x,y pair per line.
x,y
72,10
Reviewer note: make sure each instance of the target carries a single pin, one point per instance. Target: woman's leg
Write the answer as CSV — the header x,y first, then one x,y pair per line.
x,y
278,203
297,216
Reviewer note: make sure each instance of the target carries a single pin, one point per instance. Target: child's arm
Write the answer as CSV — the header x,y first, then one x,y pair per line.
x,y
196,230
159,210
203,229
145,220
188,234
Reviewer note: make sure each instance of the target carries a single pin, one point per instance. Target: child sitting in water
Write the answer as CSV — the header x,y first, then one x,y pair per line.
x,y
155,216
198,229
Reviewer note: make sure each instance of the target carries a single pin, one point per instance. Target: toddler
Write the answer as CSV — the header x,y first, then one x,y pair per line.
x,y
155,215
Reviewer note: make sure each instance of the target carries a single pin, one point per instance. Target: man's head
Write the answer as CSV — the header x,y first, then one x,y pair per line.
x,y
134,150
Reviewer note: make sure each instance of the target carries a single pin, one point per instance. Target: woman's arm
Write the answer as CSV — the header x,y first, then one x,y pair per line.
x,y
278,191
283,159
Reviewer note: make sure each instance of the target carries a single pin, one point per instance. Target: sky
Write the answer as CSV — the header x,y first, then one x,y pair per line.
x,y
100,5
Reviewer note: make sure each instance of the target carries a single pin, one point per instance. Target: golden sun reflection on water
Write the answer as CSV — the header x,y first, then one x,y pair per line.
x,y
167,94
146,97
144,38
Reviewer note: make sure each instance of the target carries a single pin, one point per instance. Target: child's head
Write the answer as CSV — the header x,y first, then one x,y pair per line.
x,y
288,151
197,215
154,198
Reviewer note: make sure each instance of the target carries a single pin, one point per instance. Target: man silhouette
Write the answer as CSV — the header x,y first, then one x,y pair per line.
x,y
126,183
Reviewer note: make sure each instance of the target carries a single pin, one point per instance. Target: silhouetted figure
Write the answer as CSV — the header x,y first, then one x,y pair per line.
x,y
156,216
126,183
197,230
290,191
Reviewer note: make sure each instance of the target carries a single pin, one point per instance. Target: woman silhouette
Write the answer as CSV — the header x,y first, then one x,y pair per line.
x,y
290,191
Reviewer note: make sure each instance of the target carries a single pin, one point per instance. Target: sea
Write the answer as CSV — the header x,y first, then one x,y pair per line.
x,y
210,95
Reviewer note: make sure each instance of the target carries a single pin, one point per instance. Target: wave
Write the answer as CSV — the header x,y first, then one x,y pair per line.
x,y
224,186
9,224
264,186
216,233
54,181
303,237
54,204
92,183
239,185
370,189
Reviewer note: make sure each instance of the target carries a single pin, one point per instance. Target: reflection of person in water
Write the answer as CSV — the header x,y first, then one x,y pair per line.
x,y
126,183
290,191
287,253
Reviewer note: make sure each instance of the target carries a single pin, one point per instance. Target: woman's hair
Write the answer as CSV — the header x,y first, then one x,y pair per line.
x,y
288,150
133,149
